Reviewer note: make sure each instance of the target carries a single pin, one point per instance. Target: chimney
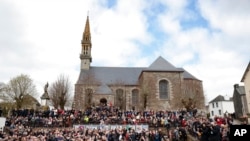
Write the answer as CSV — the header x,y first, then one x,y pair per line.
x,y
236,86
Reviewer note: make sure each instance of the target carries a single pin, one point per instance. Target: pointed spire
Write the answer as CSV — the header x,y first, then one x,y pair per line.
x,y
85,55
86,38
87,28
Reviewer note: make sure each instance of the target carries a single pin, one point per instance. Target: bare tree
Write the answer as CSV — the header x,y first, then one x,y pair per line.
x,y
190,97
59,92
3,93
147,90
2,86
189,104
20,86
192,100
120,94
188,101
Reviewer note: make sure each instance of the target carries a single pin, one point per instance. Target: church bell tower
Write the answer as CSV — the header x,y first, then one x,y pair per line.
x,y
85,55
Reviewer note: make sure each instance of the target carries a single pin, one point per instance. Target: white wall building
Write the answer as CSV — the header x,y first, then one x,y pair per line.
x,y
246,80
221,105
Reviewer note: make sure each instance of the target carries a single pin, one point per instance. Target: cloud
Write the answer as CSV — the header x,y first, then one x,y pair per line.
x,y
215,53
118,33
208,38
230,17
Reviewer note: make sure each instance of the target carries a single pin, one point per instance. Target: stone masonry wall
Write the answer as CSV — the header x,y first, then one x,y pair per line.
x,y
174,79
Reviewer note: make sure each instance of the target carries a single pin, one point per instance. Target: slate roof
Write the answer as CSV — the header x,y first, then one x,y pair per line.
x,y
187,75
128,75
217,99
112,75
160,64
220,98
240,90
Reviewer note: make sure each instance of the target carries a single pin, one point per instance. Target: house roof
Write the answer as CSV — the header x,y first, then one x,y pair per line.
x,y
245,73
187,75
31,99
112,75
127,75
219,98
239,89
160,64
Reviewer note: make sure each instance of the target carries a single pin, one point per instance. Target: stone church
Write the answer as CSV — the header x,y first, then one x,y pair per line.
x,y
161,85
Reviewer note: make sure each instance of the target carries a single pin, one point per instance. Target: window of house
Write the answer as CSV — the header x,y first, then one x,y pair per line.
x,y
163,88
135,97
213,105
219,112
212,113
216,104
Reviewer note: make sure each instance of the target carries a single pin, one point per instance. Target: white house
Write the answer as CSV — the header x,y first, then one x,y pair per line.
x,y
220,106
246,80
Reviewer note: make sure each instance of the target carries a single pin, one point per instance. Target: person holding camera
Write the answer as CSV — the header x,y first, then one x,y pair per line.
x,y
214,132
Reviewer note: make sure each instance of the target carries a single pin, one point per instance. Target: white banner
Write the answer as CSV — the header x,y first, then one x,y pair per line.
x,y
138,128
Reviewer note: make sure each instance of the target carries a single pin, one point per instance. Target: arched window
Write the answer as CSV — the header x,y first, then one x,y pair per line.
x,y
135,97
85,49
163,87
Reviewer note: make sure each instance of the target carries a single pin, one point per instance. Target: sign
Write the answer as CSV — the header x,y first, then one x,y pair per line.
x,y
2,123
239,132
138,128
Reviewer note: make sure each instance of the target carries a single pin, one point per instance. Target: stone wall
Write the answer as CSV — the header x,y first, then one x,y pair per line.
x,y
148,83
194,89
151,79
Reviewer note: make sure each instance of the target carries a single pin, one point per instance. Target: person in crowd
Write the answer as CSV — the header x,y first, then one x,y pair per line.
x,y
56,125
214,132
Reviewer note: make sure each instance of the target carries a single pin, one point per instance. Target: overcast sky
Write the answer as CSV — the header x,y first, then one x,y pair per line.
x,y
210,39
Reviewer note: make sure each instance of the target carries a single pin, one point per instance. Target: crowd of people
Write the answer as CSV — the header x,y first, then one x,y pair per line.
x,y
59,125
204,129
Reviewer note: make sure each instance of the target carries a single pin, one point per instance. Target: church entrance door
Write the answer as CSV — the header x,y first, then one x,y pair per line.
x,y
103,101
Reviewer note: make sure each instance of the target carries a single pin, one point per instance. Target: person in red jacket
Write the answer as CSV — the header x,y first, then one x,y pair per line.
x,y
183,123
219,121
